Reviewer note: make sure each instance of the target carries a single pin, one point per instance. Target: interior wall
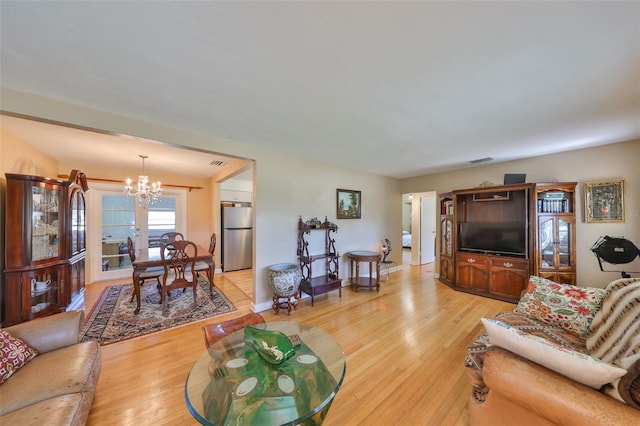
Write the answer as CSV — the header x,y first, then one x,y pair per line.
x,y
17,156
286,187
21,158
289,188
585,165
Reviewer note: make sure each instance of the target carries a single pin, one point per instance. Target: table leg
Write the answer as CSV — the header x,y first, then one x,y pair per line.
x,y
357,275
377,276
136,291
351,272
211,272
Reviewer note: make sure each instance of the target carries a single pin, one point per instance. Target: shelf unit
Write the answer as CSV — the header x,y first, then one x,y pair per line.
x,y
329,280
556,231
45,246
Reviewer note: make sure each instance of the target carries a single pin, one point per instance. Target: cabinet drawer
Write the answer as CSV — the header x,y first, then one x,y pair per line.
x,y
510,263
476,259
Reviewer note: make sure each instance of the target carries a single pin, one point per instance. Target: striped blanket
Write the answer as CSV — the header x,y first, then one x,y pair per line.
x,y
615,337
615,330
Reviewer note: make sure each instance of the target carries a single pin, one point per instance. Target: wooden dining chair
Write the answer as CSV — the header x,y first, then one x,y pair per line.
x,y
167,237
178,261
202,266
217,330
155,272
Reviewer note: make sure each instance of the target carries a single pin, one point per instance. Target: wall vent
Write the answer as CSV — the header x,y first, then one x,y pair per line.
x,y
481,160
218,163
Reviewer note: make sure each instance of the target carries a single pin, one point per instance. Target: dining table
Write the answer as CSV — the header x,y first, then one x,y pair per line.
x,y
231,383
150,258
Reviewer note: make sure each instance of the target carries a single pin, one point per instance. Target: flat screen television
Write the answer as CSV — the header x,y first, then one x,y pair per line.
x,y
505,238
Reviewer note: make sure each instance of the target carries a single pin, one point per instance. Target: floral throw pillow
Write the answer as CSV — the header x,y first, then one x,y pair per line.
x,y
14,354
562,305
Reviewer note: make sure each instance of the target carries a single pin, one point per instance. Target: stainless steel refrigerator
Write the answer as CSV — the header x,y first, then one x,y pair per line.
x,y
237,238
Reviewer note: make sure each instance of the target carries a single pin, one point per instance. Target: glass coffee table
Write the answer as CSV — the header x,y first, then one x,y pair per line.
x,y
231,384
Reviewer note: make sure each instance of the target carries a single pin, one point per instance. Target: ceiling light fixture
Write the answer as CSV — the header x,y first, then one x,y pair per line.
x,y
145,194
481,160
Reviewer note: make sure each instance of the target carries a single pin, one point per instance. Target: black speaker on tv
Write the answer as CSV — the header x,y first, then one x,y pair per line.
x,y
512,178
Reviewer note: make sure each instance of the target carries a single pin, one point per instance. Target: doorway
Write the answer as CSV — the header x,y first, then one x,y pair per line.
x,y
423,226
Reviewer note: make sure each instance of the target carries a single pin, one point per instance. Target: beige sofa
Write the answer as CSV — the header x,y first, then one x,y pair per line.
x,y
512,389
57,386
521,392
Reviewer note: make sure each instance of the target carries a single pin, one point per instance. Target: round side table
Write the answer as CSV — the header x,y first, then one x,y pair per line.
x,y
355,257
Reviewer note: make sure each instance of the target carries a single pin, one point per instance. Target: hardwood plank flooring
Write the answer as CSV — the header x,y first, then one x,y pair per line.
x,y
242,279
405,349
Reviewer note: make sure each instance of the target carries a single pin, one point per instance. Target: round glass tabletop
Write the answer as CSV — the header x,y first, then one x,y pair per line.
x,y
231,384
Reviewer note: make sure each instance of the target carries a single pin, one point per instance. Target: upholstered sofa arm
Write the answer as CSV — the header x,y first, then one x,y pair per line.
x,y
51,332
546,394
629,386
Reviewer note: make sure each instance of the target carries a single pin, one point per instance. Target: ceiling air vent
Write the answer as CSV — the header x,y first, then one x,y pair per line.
x,y
481,160
218,163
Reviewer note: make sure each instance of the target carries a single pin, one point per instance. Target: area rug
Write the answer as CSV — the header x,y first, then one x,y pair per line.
x,y
112,319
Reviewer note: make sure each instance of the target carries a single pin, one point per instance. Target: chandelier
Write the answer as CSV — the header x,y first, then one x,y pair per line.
x,y
145,194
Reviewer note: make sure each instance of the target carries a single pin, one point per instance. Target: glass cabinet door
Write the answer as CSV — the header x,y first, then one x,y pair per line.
x,y
446,246
82,223
564,243
44,287
78,223
45,224
546,241
554,236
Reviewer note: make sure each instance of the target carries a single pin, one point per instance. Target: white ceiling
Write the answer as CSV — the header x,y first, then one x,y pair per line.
x,y
74,145
389,87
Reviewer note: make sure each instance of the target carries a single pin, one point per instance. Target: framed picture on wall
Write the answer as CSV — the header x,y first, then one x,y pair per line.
x,y
349,204
604,201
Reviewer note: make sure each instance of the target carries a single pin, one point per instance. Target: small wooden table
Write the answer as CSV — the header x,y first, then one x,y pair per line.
x,y
364,256
152,258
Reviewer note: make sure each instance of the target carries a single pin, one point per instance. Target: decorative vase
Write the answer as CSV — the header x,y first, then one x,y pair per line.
x,y
284,279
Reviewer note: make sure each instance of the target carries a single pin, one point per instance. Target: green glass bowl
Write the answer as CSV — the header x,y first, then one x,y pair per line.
x,y
273,346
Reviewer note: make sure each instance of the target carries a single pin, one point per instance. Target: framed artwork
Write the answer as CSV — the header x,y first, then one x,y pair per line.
x,y
349,204
604,201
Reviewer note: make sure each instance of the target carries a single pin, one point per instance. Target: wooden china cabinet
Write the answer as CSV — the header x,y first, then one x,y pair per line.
x,y
45,246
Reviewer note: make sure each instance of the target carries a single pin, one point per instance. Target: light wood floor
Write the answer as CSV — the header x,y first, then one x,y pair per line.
x,y
405,348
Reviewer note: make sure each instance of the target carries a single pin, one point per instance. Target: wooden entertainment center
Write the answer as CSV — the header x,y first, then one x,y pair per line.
x,y
493,238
